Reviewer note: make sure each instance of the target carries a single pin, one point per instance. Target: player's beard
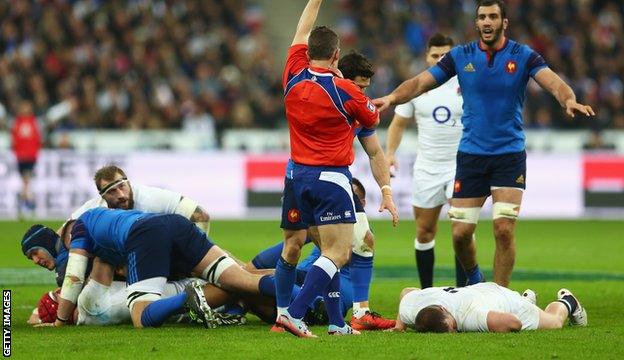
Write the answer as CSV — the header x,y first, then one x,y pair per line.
x,y
130,199
496,34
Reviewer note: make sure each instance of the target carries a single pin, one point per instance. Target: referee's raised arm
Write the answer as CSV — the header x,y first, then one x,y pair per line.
x,y
306,22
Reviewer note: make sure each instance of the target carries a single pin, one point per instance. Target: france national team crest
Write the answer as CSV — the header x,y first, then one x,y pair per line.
x,y
457,186
293,215
511,67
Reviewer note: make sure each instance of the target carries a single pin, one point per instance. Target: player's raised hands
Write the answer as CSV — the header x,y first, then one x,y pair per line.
x,y
572,107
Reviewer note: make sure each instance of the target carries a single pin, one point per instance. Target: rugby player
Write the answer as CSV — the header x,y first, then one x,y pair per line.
x,y
484,307
50,251
493,73
438,116
355,277
150,245
322,110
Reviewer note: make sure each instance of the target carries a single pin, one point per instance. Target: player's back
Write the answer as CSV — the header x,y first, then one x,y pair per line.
x,y
108,228
465,303
322,110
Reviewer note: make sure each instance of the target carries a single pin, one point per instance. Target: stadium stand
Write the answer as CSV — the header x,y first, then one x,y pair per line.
x,y
210,66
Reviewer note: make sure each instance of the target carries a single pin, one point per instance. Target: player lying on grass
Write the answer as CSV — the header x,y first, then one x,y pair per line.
x,y
355,277
484,307
151,245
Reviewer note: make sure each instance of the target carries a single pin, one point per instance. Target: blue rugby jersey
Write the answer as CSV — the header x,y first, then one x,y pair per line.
x,y
493,87
103,232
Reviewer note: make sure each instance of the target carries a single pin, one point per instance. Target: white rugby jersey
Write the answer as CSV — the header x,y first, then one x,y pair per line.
x,y
438,117
146,198
468,305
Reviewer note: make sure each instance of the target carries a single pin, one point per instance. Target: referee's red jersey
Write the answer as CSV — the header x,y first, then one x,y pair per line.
x,y
322,111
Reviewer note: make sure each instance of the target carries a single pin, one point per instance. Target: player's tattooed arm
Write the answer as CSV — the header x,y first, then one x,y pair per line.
x,y
408,90
564,94
306,22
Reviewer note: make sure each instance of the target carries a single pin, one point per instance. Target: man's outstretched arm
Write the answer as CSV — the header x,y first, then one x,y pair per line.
x,y
306,22
408,90
550,81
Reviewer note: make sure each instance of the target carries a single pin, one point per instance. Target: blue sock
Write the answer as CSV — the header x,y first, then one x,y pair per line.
x,y
156,313
474,276
460,274
234,309
266,285
285,275
316,281
268,258
361,275
331,295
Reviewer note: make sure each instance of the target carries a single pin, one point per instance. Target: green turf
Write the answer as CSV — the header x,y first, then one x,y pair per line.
x,y
584,256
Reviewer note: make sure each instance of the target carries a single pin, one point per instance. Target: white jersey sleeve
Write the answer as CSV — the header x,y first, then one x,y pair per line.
x,y
91,204
405,110
155,200
473,318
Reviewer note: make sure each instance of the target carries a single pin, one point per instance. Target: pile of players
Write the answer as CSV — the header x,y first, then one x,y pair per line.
x,y
471,146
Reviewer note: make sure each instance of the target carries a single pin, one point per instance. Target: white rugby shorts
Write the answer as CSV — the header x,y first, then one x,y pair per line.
x,y
431,189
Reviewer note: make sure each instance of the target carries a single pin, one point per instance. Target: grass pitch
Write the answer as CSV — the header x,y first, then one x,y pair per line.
x,y
584,256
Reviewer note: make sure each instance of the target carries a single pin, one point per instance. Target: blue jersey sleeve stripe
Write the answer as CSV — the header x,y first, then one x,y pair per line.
x,y
444,69
535,63
365,132
303,75
327,83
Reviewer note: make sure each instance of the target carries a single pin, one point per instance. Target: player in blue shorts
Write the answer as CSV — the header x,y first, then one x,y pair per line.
x,y
322,110
151,245
355,277
493,73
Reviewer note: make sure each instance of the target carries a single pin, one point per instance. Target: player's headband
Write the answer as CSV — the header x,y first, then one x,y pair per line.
x,y
112,185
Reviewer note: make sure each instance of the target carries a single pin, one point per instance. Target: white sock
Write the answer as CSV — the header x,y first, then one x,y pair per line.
x,y
423,246
359,311
281,310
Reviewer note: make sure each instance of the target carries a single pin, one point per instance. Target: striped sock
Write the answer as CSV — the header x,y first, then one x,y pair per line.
x,y
570,302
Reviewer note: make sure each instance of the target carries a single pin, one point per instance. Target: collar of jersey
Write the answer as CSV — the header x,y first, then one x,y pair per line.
x,y
482,46
322,71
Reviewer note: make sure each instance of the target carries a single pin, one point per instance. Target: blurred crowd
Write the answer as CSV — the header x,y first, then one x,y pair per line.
x,y
582,40
206,65
143,64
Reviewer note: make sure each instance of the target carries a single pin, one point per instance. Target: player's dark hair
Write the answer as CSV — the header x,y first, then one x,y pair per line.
x,y
358,184
439,40
107,173
322,43
355,64
500,3
431,319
